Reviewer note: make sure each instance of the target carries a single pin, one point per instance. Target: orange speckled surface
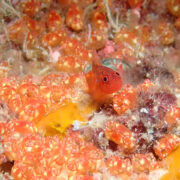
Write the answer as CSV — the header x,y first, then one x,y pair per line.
x,y
89,89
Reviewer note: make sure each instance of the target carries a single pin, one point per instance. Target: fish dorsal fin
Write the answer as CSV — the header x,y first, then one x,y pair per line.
x,y
95,64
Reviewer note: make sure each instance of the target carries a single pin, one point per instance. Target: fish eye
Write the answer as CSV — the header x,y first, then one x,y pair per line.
x,y
117,73
105,79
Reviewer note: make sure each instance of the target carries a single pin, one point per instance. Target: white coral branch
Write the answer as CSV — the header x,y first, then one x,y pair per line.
x,y
88,10
6,7
114,25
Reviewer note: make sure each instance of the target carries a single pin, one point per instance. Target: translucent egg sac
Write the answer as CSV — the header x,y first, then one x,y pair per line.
x,y
173,7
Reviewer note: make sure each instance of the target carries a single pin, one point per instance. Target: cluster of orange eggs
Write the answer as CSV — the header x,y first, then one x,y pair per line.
x,y
74,34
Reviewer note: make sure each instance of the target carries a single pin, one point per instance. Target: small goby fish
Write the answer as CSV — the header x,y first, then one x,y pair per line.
x,y
103,81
